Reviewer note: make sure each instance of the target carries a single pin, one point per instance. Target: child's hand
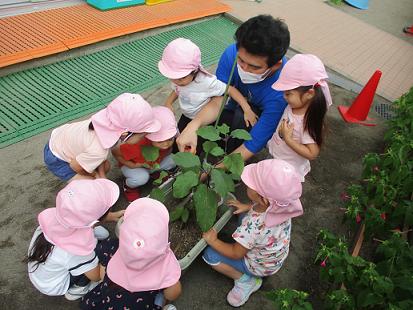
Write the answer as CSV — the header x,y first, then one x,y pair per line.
x,y
114,216
241,207
250,118
210,236
286,130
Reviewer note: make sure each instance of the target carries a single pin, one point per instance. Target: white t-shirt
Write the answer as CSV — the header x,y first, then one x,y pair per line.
x,y
279,149
268,246
198,93
53,276
75,140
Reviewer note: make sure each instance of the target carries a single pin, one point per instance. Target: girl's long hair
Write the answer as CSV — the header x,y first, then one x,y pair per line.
x,y
40,251
42,248
314,116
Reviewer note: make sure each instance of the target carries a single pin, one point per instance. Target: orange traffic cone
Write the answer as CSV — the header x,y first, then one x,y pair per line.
x,y
361,106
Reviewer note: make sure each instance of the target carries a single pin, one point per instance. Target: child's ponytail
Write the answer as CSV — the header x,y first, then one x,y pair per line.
x,y
314,116
40,251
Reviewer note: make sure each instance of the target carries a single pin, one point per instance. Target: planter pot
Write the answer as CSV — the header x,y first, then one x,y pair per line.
x,y
201,245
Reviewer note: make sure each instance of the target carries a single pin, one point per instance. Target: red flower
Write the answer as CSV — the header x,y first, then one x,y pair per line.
x,y
358,219
383,216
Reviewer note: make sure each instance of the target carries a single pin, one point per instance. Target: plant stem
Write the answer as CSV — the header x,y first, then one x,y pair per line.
x,y
226,91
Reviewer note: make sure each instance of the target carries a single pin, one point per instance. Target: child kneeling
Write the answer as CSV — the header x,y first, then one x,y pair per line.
x,y
139,269
130,156
263,235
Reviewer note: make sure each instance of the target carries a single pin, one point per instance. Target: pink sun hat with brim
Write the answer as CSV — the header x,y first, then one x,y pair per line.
x,y
180,58
169,127
144,260
304,70
277,181
78,207
126,113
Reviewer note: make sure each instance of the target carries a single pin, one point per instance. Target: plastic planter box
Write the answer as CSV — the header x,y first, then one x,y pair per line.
x,y
201,245
104,5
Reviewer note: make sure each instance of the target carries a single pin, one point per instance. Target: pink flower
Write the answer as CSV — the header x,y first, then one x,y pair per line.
x,y
366,180
345,196
383,216
323,264
376,169
398,230
358,219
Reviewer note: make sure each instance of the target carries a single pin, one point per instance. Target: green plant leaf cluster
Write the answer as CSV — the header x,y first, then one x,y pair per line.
x,y
289,299
387,285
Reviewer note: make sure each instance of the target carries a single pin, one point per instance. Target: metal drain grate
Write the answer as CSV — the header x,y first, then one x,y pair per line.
x,y
39,99
383,109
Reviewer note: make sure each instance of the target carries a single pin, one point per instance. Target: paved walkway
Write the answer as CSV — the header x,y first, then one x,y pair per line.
x,y
345,44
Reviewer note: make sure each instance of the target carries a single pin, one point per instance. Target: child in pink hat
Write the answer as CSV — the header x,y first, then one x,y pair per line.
x,y
301,130
61,256
140,270
80,150
262,238
193,85
131,161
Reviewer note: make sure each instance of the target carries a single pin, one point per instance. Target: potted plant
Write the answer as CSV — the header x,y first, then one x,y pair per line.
x,y
201,197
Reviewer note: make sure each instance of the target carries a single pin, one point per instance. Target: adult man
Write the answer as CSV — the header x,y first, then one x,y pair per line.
x,y
262,42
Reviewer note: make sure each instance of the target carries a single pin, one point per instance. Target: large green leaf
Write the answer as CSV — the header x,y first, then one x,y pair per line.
x,y
234,163
157,194
224,129
176,214
150,153
186,159
220,183
183,184
241,134
208,146
208,133
194,169
206,204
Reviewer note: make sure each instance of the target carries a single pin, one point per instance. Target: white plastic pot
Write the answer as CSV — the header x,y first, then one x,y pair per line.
x,y
200,246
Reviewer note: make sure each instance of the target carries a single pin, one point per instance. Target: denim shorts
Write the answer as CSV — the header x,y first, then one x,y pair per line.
x,y
58,167
212,257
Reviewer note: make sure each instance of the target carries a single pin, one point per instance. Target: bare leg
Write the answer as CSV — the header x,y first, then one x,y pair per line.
x,y
228,271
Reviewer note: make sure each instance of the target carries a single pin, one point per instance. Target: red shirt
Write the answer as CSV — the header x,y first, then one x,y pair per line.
x,y
133,152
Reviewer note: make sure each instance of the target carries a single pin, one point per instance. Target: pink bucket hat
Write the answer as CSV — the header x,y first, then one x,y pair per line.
x,y
277,181
180,58
126,113
144,260
169,127
304,70
78,207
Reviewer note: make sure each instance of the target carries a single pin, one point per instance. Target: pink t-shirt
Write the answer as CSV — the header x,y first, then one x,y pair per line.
x,y
75,140
279,149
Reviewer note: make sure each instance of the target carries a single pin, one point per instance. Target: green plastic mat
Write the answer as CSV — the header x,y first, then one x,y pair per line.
x,y
42,98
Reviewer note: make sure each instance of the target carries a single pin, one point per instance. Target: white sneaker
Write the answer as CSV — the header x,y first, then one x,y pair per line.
x,y
169,307
100,233
75,292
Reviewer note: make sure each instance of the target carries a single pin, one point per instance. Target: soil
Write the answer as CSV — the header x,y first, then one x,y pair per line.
x,y
184,236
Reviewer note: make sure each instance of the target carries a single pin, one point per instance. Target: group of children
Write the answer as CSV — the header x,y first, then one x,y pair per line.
x,y
138,270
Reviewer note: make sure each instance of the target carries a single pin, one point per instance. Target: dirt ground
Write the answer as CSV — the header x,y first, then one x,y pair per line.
x,y
27,188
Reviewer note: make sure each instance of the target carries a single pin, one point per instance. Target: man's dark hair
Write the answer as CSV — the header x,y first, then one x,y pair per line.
x,y
264,35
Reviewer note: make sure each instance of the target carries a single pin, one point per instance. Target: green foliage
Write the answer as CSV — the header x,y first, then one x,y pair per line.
x,y
289,299
387,285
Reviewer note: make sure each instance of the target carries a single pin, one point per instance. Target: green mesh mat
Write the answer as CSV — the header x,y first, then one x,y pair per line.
x,y
42,98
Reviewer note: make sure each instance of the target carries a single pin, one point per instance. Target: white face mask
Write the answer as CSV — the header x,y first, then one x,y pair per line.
x,y
251,78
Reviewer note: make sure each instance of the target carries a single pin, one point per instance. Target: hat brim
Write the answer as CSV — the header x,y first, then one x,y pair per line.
x,y
172,74
163,274
284,86
247,178
78,241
